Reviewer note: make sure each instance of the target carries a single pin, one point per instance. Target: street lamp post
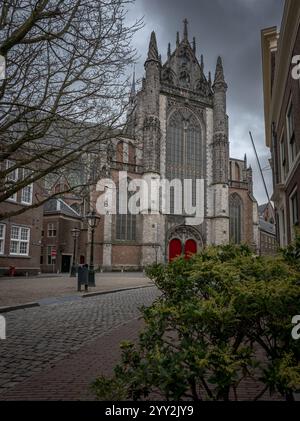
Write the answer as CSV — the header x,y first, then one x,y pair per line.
x,y
75,234
93,220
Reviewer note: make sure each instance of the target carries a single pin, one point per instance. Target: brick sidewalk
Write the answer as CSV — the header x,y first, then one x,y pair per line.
x,y
20,290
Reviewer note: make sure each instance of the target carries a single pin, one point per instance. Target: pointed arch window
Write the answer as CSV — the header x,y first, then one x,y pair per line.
x,y
235,218
120,152
125,223
184,150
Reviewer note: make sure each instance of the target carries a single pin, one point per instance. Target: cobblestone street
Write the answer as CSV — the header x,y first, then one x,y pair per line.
x,y
38,338
20,290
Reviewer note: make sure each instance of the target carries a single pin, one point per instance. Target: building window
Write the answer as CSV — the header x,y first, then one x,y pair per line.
x,y
120,152
50,259
19,240
294,209
235,218
184,151
11,179
291,134
125,223
51,230
131,154
26,193
2,238
283,160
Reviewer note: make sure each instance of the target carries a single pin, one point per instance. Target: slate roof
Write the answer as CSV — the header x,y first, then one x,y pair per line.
x,y
267,227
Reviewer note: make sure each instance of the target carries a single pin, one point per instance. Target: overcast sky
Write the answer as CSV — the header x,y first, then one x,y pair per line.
x,y
230,28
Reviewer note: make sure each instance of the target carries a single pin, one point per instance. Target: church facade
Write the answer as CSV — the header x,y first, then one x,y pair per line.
x,y
177,129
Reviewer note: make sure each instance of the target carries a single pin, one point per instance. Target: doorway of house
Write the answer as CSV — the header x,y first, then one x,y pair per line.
x,y
65,263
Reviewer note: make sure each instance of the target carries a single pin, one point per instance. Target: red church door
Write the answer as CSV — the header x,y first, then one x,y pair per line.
x,y
190,248
175,249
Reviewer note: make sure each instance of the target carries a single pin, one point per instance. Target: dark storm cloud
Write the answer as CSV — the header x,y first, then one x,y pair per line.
x,y
230,28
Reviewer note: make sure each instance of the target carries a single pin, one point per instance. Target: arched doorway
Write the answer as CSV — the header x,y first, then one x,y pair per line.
x,y
175,249
190,248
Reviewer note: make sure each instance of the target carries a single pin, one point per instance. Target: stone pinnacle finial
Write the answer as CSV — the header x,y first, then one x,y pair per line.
x,y
153,52
219,75
245,161
169,50
194,45
177,39
209,78
202,62
185,30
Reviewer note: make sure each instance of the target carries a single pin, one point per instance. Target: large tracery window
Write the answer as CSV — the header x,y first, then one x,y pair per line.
x,y
184,150
125,223
235,221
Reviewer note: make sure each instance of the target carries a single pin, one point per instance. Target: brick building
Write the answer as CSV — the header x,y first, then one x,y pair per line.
x,y
57,242
282,117
20,235
177,128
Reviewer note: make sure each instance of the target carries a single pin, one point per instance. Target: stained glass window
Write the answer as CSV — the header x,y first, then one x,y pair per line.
x,y
235,218
184,150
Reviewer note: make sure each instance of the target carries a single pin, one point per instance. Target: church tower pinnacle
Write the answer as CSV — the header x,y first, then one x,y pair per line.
x,y
185,30
152,51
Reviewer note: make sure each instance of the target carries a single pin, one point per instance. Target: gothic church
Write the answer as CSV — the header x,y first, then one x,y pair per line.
x,y
178,129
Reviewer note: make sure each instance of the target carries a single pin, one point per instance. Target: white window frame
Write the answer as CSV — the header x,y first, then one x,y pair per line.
x,y
52,228
9,164
2,239
25,189
19,240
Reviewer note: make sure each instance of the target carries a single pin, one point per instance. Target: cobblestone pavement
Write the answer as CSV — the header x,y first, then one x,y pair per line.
x,y
38,338
20,290
71,378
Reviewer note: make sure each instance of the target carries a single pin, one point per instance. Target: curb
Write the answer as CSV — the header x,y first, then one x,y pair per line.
x,y
94,294
18,307
89,294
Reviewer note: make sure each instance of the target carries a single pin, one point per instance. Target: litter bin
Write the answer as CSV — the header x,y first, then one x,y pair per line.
x,y
11,271
82,276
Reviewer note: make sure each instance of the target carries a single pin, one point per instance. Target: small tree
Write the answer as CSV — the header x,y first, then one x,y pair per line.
x,y
223,317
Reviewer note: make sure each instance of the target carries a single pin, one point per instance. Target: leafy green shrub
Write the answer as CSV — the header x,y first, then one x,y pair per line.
x,y
224,316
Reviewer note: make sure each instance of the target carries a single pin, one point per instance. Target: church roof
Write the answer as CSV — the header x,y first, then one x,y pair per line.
x,y
182,68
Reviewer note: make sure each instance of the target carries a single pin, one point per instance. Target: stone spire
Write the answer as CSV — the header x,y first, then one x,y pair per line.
x,y
219,75
177,39
153,51
202,63
185,30
132,91
209,79
169,51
